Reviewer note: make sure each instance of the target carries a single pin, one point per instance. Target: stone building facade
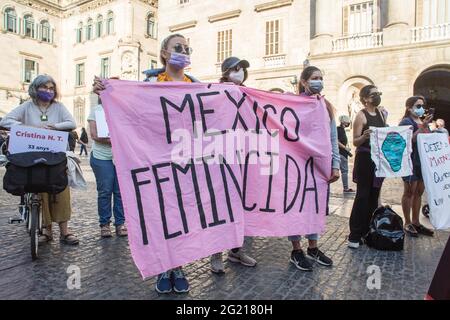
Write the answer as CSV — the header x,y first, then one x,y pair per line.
x,y
73,40
402,46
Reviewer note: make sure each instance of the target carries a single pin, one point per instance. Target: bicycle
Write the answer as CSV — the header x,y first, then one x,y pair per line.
x,y
33,201
31,214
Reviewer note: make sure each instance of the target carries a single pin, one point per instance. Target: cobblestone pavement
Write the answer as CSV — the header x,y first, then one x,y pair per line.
x,y
108,272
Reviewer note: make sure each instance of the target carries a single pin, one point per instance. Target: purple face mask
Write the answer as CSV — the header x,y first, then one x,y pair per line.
x,y
45,96
179,60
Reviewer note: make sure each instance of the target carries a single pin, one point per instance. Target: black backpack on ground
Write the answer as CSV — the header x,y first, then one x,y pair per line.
x,y
386,230
36,172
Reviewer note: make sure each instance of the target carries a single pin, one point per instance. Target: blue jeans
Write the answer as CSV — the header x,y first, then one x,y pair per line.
x,y
107,186
309,237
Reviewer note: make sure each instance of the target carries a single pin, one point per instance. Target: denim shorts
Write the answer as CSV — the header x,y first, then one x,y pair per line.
x,y
416,176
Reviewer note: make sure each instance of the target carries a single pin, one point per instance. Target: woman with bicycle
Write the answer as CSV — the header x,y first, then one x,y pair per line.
x,y
44,111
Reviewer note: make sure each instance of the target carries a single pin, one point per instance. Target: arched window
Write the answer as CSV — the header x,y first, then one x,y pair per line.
x,y
151,25
99,26
10,19
45,31
79,106
28,25
110,23
80,32
89,28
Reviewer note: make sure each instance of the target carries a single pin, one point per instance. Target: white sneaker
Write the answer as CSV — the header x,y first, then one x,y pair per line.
x,y
353,245
242,258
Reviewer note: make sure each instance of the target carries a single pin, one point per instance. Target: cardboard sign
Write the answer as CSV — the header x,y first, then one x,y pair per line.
x,y
391,150
434,151
28,139
102,126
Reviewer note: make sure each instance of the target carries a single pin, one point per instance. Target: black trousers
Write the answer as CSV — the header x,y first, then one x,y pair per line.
x,y
366,200
83,147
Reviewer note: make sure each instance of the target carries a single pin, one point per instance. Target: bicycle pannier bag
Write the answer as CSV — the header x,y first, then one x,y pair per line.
x,y
36,172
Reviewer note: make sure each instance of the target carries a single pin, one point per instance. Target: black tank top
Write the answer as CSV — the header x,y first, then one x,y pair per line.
x,y
372,121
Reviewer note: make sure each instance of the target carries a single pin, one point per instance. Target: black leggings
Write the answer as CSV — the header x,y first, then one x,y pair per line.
x,y
366,200
83,147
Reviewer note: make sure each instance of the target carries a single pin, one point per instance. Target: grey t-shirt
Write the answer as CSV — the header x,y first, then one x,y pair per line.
x,y
100,151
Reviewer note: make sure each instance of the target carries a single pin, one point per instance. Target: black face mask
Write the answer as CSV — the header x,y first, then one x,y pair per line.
x,y
376,101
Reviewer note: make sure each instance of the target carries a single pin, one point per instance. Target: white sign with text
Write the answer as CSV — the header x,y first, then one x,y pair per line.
x,y
28,139
102,126
434,151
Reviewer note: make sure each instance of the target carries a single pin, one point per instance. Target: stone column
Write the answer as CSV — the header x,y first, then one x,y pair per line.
x,y
128,53
129,20
325,15
397,12
400,19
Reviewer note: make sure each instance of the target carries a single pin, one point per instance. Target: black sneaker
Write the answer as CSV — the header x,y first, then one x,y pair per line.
x,y
299,259
424,230
319,256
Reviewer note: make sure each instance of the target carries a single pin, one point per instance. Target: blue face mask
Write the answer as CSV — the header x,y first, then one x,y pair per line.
x,y
179,60
315,86
419,111
45,96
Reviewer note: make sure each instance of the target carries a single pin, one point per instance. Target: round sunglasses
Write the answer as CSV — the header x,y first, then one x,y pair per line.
x,y
179,48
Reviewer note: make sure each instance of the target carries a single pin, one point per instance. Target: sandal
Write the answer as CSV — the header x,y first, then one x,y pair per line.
x,y
411,230
69,239
424,230
45,238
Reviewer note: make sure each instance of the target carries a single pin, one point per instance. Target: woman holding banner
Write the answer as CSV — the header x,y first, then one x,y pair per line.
x,y
368,186
311,84
175,57
44,111
234,70
413,185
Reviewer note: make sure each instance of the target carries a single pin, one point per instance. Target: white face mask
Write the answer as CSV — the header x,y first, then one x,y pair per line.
x,y
237,77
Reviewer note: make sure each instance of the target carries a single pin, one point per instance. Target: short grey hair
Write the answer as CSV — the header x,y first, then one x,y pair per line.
x,y
344,119
165,44
38,82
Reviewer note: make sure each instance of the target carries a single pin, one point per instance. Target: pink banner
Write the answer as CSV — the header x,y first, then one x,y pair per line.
x,y
202,165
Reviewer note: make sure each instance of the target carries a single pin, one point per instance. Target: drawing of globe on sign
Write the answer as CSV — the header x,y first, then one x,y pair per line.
x,y
393,148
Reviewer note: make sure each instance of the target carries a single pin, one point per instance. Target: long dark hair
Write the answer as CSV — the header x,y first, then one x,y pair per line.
x,y
410,103
306,75
364,93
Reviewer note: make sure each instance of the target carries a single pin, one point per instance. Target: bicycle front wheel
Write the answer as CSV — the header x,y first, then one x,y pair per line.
x,y
34,231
